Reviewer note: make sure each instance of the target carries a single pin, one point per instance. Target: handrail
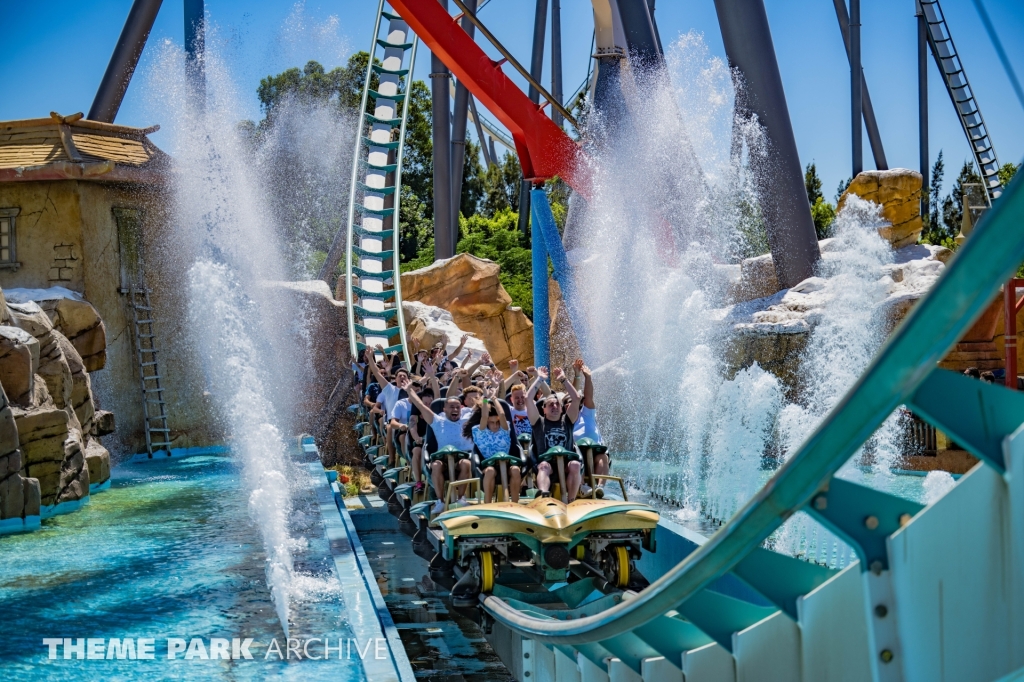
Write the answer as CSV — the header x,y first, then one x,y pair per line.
x,y
398,201
968,285
473,19
327,269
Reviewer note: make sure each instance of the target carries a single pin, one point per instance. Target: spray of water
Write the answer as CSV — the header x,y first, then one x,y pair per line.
x,y
672,212
226,248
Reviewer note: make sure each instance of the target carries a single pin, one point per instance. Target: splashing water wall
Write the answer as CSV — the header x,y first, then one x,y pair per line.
x,y
227,248
673,209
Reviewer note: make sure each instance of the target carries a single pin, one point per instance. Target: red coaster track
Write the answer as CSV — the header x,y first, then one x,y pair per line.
x,y
544,149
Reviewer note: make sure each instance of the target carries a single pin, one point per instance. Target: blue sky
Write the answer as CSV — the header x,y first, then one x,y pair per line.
x,y
55,53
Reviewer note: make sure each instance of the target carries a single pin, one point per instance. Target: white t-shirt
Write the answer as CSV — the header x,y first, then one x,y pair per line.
x,y
521,421
402,411
450,433
586,425
388,397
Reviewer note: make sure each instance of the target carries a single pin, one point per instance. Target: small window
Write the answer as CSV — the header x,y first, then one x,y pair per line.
x,y
129,245
8,251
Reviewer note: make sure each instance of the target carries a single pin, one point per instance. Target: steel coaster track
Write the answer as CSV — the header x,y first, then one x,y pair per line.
x,y
953,75
379,151
976,414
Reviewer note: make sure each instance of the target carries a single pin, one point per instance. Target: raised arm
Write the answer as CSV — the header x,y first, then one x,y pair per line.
x,y
588,386
497,406
458,349
371,363
485,411
484,358
425,411
573,410
543,387
531,403
431,377
514,376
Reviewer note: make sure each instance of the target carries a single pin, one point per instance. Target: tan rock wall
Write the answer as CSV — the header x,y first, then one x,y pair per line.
x,y
898,191
19,494
469,288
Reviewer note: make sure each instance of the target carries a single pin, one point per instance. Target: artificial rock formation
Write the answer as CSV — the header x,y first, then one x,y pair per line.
x,y
426,325
774,330
52,415
898,191
72,316
469,288
19,494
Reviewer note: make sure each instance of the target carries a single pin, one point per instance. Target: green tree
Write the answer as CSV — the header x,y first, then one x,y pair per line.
x,y
823,214
314,84
1006,173
498,239
935,198
501,186
953,204
843,184
812,183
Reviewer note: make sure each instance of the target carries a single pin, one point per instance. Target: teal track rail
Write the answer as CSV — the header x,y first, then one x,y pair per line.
x,y
375,194
903,372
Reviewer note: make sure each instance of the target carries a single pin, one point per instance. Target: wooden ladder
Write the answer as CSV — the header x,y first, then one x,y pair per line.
x,y
154,407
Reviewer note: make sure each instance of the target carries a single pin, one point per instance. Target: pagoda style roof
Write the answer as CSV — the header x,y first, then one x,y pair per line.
x,y
74,148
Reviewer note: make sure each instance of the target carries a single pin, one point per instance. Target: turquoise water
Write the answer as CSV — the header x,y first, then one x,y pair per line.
x,y
169,552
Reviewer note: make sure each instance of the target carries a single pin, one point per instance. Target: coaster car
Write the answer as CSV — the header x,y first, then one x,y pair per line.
x,y
542,538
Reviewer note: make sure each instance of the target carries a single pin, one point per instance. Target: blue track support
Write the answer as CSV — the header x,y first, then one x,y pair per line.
x,y
545,227
541,313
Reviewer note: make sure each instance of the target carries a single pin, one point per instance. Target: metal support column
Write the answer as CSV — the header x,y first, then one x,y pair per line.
x,y
461,112
856,90
195,49
748,44
556,59
874,138
654,25
440,79
641,36
484,149
922,109
546,229
541,312
123,61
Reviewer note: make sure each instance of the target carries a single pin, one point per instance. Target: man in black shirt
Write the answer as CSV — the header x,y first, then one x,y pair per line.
x,y
552,428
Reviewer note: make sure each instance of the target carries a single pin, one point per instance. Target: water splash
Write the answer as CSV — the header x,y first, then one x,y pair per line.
x,y
218,317
674,209
226,248
937,484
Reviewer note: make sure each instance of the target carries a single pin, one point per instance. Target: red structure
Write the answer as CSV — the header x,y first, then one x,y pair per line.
x,y
545,151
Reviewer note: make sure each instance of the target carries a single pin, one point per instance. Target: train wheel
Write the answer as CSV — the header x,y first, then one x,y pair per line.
x,y
488,569
621,566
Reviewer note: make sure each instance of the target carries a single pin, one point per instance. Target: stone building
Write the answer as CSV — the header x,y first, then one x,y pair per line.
x,y
83,210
